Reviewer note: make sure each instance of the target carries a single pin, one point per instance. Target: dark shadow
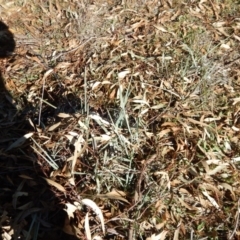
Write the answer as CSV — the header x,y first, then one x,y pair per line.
x,y
7,43
26,201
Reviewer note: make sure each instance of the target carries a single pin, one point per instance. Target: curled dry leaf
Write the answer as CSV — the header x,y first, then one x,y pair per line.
x,y
96,86
123,74
96,209
211,199
87,228
114,194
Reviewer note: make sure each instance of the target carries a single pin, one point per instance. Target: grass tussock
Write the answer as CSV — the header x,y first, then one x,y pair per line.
x,y
120,120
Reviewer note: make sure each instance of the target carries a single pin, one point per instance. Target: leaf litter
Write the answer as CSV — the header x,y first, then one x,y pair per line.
x,y
138,96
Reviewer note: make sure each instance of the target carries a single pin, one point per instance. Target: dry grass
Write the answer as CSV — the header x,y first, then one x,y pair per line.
x,y
131,104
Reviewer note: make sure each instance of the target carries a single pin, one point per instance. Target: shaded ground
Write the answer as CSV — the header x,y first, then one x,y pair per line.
x,y
132,106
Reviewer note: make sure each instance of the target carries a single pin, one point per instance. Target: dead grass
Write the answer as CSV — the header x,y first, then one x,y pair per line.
x,y
132,105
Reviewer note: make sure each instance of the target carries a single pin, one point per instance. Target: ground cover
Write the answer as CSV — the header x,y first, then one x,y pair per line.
x,y
121,120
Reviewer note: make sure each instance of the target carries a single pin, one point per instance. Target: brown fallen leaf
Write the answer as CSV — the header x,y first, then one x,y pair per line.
x,y
55,184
